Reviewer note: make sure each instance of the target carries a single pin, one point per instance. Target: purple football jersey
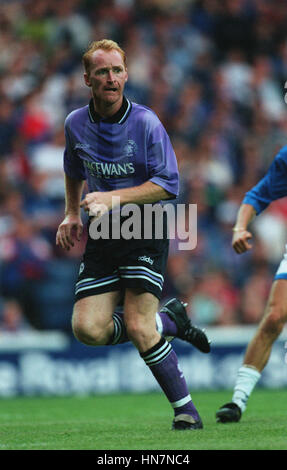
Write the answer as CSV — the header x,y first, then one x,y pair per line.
x,y
122,151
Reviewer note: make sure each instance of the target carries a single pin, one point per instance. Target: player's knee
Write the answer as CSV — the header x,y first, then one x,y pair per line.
x,y
91,335
274,320
136,330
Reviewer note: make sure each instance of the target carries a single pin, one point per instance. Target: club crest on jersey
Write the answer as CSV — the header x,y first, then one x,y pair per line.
x,y
130,148
82,146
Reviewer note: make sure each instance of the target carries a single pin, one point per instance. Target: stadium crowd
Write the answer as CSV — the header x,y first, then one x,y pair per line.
x,y
214,71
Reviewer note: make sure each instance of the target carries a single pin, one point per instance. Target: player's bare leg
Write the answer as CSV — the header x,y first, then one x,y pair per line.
x,y
92,319
109,329
270,327
257,353
140,317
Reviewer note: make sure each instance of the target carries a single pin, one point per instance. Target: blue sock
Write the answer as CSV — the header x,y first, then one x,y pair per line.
x,y
165,325
163,363
120,333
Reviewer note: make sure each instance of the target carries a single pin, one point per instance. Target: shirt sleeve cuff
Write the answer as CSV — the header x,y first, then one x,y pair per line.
x,y
172,189
259,206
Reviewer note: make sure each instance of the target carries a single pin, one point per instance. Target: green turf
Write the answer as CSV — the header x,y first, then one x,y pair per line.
x,y
139,421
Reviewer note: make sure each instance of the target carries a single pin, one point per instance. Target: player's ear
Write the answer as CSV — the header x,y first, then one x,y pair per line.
x,y
87,79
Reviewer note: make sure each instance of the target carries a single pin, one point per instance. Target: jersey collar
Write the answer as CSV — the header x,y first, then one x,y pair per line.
x,y
119,117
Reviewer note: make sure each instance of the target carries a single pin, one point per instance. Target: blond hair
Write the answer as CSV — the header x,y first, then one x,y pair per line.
x,y
104,44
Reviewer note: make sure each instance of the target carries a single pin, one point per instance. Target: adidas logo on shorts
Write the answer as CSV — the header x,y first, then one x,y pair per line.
x,y
145,258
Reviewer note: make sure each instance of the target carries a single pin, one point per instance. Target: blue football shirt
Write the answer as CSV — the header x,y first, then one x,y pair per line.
x,y
125,150
272,186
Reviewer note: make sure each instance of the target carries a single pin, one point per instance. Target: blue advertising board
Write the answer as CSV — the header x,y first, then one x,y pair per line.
x,y
55,364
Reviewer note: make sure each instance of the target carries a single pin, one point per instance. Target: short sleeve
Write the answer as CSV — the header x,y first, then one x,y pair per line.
x,y
73,165
272,186
162,163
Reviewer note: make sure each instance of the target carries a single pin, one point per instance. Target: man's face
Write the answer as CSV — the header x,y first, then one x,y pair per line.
x,y
107,76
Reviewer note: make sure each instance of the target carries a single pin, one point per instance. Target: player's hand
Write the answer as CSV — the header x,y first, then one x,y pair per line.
x,y
97,203
68,230
240,241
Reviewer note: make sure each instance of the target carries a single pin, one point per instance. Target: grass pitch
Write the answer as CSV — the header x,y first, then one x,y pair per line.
x,y
139,422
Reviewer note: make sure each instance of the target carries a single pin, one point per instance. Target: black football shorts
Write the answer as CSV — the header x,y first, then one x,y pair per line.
x,y
110,265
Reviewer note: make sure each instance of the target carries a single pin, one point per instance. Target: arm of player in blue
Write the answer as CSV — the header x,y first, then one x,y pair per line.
x,y
272,186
